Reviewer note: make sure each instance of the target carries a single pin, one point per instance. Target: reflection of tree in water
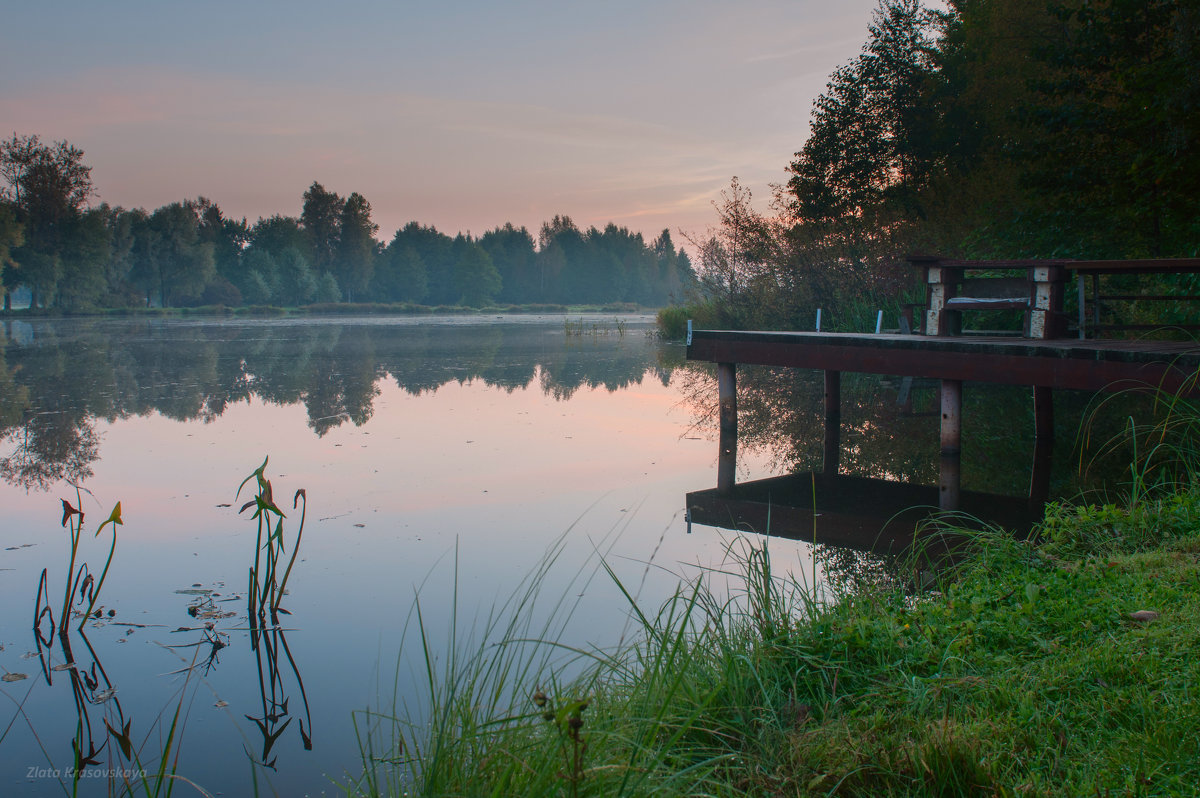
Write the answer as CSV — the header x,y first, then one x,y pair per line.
x,y
66,373
781,414
49,448
890,431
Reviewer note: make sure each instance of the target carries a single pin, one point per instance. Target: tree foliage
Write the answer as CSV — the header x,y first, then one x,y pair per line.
x,y
981,128
189,253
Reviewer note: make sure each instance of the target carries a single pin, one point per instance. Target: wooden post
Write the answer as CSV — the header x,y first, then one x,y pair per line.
x,y
833,422
1039,479
727,461
950,482
951,417
1044,318
727,414
1082,305
1043,413
942,284
950,473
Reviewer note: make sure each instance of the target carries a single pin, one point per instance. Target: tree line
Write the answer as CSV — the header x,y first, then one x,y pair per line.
x,y
72,255
977,129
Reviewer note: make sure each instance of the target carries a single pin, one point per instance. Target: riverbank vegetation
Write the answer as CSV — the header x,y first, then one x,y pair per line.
x,y
64,254
1053,663
991,130
1059,665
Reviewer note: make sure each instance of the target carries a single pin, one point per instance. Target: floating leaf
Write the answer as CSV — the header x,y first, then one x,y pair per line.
x,y
66,666
221,703
105,695
13,677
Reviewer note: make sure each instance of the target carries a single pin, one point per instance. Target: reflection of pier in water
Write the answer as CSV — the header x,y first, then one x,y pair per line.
x,y
861,513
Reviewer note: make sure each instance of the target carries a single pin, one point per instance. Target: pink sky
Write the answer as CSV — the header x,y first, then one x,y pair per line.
x,y
460,114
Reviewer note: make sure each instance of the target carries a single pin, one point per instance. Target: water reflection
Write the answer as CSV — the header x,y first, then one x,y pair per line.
x,y
864,480
99,719
57,378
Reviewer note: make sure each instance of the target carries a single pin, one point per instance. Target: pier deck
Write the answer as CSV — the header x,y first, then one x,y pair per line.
x,y
1064,363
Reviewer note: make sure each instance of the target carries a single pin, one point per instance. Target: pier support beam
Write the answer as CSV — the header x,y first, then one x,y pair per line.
x,y
951,417
727,417
950,476
1039,478
1043,413
833,422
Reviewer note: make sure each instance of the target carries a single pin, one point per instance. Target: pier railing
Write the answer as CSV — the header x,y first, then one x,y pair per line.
x,y
1038,288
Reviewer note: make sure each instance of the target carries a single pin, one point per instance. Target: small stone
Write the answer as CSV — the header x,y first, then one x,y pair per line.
x,y
1144,616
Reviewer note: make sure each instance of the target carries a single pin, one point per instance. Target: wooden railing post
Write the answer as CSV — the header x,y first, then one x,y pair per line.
x,y
727,419
1045,316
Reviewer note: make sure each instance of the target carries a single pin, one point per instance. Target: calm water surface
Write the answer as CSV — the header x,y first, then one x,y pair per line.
x,y
443,458
440,456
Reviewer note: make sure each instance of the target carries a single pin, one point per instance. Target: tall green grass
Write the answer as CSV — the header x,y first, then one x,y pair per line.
x,y
1020,669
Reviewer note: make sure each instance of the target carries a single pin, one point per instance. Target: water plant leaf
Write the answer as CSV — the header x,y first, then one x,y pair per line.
x,y
257,473
113,518
69,511
105,695
122,738
13,677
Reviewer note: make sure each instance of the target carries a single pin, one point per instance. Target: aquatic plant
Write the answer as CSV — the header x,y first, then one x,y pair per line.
x,y
79,579
266,588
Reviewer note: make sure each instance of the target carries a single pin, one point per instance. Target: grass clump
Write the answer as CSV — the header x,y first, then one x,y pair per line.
x,y
1057,666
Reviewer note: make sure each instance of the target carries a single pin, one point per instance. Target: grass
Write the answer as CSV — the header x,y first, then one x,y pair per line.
x,y
1025,671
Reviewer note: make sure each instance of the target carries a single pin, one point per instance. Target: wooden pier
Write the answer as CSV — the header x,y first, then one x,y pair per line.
x,y
1044,359
1045,365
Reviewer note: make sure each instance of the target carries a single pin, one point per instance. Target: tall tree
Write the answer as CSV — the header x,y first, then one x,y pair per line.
x,y
356,246
49,185
400,274
435,251
171,259
12,235
475,277
321,219
512,253
868,149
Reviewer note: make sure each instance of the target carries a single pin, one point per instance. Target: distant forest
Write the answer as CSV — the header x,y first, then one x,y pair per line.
x,y
73,256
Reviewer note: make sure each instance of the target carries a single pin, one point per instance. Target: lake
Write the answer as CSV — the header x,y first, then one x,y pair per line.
x,y
442,458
